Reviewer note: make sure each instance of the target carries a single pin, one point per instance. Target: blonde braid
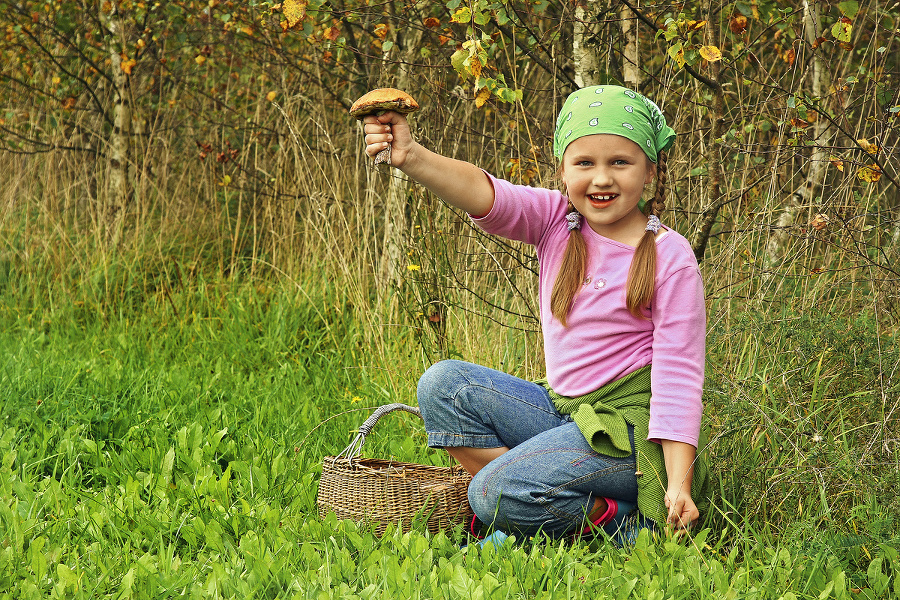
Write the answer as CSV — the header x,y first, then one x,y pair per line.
x,y
642,274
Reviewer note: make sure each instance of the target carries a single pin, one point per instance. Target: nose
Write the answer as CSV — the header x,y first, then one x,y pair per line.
x,y
602,176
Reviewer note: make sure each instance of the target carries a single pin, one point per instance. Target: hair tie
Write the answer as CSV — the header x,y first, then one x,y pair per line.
x,y
653,224
574,219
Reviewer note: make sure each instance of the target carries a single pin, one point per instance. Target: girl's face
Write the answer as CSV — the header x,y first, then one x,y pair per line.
x,y
605,175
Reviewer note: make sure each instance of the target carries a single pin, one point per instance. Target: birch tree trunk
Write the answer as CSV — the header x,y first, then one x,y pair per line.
x,y
804,193
406,44
584,43
118,143
631,64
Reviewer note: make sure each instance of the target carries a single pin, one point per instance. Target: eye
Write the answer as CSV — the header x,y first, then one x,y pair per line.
x,y
584,163
621,161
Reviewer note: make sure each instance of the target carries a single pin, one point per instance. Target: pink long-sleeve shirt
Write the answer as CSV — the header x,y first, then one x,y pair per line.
x,y
603,340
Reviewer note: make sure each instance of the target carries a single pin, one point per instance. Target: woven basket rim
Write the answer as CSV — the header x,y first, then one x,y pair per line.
x,y
392,468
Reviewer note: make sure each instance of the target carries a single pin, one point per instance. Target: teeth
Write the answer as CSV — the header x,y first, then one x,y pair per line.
x,y
603,198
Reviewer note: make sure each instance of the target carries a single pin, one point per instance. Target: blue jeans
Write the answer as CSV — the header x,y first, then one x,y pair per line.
x,y
550,477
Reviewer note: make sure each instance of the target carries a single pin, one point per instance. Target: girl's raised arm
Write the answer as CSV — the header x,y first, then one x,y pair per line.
x,y
456,182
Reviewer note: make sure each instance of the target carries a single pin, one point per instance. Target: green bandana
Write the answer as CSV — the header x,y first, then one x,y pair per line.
x,y
616,110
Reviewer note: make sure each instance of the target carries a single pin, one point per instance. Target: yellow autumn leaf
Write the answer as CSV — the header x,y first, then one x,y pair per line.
x,y
200,59
271,96
837,162
868,146
381,30
512,167
127,65
710,53
676,52
528,176
869,173
694,25
475,67
482,96
294,11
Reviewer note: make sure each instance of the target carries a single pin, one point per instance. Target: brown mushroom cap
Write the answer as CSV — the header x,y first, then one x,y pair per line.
x,y
383,99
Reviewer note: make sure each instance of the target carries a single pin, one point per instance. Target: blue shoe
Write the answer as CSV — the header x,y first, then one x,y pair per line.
x,y
624,528
618,521
496,539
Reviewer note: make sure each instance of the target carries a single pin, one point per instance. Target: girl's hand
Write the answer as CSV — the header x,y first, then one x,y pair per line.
x,y
456,182
388,129
683,513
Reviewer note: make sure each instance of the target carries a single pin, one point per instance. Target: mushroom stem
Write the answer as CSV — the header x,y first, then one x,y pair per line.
x,y
383,157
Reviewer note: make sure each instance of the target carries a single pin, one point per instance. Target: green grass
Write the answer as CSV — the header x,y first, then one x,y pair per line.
x,y
170,448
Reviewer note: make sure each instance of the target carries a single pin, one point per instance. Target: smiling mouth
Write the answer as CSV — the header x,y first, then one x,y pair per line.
x,y
601,200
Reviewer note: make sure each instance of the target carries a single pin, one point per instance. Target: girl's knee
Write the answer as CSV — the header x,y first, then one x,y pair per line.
x,y
493,498
482,500
436,382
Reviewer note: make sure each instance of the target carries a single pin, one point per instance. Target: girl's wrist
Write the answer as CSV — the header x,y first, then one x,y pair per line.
x,y
410,159
679,489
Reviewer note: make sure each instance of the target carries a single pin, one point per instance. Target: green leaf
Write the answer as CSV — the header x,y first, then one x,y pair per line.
x,y
827,591
458,60
842,30
691,55
165,472
38,560
676,53
67,575
463,15
671,31
849,8
507,95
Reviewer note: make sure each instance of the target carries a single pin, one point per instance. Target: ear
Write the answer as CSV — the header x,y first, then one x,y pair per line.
x,y
561,174
651,173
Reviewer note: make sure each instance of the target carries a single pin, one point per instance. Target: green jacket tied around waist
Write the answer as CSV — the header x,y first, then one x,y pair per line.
x,y
603,417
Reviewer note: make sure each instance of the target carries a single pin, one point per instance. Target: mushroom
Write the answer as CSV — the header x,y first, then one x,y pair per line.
x,y
379,101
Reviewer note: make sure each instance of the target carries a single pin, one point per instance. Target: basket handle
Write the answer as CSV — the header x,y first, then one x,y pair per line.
x,y
352,451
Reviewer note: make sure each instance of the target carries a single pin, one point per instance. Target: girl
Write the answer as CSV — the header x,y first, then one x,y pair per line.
x,y
617,422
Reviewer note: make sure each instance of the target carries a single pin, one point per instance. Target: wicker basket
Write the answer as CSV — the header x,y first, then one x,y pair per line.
x,y
385,491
